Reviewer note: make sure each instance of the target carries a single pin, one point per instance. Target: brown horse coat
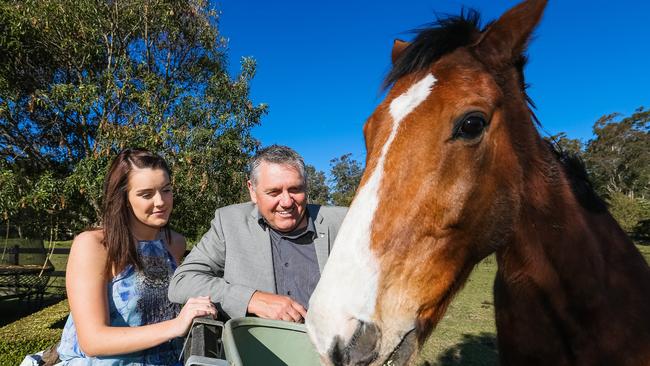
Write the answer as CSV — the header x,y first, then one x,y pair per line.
x,y
456,170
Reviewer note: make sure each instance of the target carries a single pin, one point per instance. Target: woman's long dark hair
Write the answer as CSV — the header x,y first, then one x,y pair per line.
x,y
119,240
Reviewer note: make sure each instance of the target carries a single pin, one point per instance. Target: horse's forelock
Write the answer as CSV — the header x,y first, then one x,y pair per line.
x,y
446,34
441,37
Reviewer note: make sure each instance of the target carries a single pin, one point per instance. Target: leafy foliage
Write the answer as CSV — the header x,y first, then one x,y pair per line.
x,y
345,177
628,210
618,157
80,80
317,189
642,229
618,160
566,144
9,194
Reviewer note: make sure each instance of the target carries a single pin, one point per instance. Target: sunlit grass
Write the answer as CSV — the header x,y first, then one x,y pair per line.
x,y
467,333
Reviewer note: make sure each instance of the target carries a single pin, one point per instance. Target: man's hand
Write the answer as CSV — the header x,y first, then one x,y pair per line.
x,y
272,306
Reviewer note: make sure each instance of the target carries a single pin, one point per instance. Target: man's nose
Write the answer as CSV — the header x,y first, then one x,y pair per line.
x,y
285,199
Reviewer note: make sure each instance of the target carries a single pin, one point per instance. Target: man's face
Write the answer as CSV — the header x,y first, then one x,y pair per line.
x,y
280,196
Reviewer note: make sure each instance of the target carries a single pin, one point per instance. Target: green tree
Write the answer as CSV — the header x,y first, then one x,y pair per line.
x,y
345,175
642,229
8,203
629,211
317,189
566,144
22,206
618,157
618,160
82,79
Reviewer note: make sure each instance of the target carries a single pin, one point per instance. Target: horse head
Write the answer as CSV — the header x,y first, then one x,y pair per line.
x,y
447,153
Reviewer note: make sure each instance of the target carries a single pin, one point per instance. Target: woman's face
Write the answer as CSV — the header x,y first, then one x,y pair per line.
x,y
150,196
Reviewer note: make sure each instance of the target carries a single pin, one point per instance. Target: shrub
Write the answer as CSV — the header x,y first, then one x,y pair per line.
x,y
32,333
642,230
629,210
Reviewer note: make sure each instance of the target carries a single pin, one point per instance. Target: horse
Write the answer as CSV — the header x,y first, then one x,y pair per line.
x,y
456,170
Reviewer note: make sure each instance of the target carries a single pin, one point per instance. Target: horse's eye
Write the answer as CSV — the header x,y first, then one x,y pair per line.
x,y
470,127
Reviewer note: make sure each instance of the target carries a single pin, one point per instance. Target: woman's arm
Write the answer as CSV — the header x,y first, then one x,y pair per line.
x,y
86,286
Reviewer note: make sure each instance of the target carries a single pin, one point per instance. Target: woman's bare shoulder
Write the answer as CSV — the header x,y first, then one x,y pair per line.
x,y
89,242
89,237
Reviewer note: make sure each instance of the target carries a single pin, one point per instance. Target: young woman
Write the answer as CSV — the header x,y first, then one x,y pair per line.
x,y
117,276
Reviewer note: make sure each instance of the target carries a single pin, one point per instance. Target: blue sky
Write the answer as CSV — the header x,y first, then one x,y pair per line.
x,y
321,64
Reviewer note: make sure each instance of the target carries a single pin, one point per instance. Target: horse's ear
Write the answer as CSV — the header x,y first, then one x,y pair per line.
x,y
398,47
507,38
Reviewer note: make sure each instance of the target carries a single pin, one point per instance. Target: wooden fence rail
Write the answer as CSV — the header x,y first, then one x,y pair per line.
x,y
16,251
24,281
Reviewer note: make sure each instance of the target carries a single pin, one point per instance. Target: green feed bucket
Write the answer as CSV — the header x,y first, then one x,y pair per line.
x,y
255,341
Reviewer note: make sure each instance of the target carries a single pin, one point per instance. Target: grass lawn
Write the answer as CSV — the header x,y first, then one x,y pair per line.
x,y
57,284
645,250
467,333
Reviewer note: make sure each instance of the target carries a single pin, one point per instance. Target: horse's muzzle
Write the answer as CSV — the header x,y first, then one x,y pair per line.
x,y
361,349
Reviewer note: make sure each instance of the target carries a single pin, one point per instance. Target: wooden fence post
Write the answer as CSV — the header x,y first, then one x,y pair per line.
x,y
16,254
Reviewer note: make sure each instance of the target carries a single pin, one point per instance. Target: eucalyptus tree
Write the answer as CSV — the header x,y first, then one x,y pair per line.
x,y
317,189
82,79
618,160
618,156
345,176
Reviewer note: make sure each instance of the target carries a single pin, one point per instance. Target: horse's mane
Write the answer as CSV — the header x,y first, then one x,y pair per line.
x,y
576,172
439,38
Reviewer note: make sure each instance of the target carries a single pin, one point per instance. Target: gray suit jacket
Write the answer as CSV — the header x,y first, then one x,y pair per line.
x,y
234,259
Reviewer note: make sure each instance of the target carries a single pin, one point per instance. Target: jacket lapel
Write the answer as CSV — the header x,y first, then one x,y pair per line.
x,y
262,242
321,242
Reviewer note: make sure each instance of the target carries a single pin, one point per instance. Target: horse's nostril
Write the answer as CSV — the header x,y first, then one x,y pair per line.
x,y
337,354
364,344
360,349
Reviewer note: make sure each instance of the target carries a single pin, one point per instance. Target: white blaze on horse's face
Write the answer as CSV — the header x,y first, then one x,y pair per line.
x,y
343,304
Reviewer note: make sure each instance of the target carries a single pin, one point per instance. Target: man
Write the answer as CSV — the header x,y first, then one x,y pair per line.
x,y
263,257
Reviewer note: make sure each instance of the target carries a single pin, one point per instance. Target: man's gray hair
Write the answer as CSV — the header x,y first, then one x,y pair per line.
x,y
277,154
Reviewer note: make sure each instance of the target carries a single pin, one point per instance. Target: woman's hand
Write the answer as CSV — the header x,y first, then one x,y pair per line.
x,y
194,307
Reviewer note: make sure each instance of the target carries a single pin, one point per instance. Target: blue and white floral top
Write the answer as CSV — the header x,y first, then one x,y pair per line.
x,y
135,298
